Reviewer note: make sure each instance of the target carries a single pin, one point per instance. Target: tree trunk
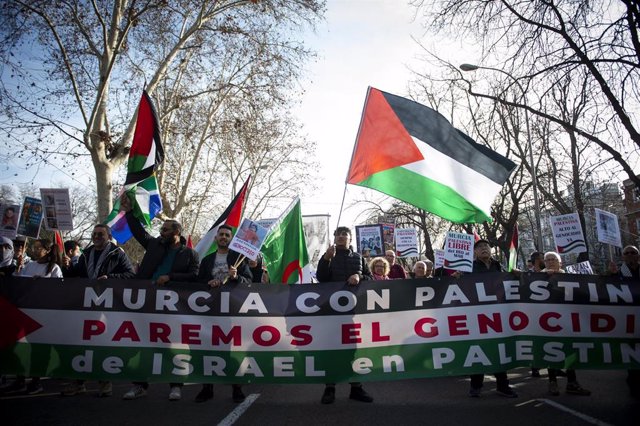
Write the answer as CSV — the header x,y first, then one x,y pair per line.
x,y
104,185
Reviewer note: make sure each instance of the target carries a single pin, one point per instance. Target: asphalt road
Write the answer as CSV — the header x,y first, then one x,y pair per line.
x,y
441,401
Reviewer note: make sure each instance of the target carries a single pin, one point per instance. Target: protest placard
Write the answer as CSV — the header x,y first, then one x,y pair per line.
x,y
57,209
458,252
9,225
30,218
248,239
567,234
369,239
608,229
406,242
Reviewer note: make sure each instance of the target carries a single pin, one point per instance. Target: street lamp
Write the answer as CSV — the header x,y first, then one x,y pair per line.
x,y
534,179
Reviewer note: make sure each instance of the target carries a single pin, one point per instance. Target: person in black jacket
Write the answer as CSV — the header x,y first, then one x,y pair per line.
x,y
483,263
219,268
166,258
341,263
101,260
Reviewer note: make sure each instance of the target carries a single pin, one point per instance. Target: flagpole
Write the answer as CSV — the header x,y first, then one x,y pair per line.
x,y
353,153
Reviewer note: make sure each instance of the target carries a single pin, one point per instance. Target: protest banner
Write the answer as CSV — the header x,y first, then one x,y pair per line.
x,y
369,239
248,239
607,228
30,218
9,225
406,242
458,251
380,330
57,209
567,234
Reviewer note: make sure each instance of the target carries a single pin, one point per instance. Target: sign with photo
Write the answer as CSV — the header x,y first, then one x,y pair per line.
x,y
567,234
30,218
458,251
10,214
608,229
248,239
369,239
406,242
388,235
57,209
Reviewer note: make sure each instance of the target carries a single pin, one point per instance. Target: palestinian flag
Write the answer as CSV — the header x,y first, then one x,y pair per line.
x,y
412,153
513,249
140,185
285,249
231,217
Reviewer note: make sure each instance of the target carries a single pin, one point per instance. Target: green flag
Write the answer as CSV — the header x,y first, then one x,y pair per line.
x,y
285,249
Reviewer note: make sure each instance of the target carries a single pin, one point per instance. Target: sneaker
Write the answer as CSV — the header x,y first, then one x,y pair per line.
x,y
575,389
359,394
329,395
34,388
104,389
237,394
18,385
507,392
73,389
475,392
175,393
135,392
205,394
553,388
535,372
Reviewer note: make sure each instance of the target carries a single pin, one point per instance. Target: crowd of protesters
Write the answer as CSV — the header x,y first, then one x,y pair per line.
x,y
167,258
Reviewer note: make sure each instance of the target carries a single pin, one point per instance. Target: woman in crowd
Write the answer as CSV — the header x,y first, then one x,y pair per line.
x,y
419,270
45,261
553,265
379,268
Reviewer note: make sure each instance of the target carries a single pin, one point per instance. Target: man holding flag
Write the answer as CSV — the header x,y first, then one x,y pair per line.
x,y
166,258
220,267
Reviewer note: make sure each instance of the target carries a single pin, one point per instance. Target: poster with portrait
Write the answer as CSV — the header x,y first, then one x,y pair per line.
x,y
30,217
406,242
388,235
317,236
458,251
248,239
608,228
438,255
57,209
580,268
567,234
10,214
369,239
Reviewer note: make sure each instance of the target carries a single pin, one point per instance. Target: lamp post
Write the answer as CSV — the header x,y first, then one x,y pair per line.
x,y
534,179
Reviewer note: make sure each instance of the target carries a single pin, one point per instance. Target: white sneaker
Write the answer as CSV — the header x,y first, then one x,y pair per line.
x,y
135,392
175,393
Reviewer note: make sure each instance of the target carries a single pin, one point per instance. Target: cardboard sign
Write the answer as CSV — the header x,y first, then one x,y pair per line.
x,y
30,218
369,240
10,214
248,239
458,251
567,234
57,209
406,242
608,228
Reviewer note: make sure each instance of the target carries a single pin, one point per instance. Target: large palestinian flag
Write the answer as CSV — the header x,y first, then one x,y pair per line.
x,y
140,185
412,153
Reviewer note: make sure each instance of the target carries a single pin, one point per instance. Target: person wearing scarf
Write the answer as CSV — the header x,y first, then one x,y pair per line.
x,y
7,268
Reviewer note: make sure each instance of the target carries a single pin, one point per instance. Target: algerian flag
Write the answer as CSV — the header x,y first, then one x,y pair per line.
x,y
140,185
285,249
412,153
231,217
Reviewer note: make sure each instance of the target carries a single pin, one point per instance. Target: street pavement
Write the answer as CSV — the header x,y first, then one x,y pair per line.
x,y
439,401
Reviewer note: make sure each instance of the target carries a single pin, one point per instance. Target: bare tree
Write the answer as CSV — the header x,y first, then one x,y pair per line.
x,y
543,43
80,65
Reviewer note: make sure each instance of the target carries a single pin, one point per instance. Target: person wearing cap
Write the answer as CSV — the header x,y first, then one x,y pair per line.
x,y
341,263
7,268
484,263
